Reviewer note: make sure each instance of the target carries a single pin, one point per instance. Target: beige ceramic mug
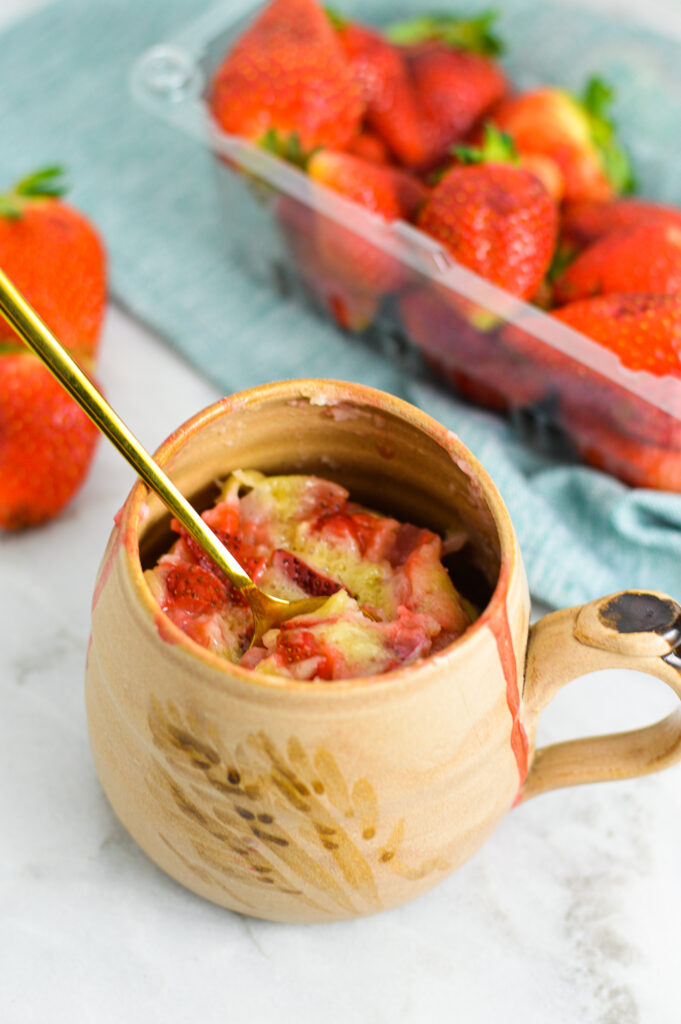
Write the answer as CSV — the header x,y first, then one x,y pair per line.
x,y
320,801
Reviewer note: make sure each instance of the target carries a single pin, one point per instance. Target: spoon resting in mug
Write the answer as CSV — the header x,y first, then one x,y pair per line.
x,y
268,611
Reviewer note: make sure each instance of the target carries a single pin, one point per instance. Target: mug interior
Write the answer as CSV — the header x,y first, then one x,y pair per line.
x,y
390,456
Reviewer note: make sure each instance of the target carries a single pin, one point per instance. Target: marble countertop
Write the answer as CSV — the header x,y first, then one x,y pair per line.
x,y
570,913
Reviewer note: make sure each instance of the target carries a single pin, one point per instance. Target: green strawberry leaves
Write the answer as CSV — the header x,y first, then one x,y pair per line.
x,y
287,147
595,102
497,147
46,183
474,34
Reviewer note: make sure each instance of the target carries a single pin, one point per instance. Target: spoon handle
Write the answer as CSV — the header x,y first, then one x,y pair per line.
x,y
40,339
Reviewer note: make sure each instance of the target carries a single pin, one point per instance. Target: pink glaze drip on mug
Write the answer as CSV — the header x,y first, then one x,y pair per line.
x,y
501,631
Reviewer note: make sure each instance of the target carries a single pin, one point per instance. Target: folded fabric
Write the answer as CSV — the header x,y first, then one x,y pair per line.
x,y
64,97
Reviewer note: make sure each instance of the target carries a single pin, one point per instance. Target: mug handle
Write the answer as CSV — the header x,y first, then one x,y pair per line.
x,y
636,629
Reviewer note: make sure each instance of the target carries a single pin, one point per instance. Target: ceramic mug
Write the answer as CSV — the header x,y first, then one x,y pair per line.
x,y
318,801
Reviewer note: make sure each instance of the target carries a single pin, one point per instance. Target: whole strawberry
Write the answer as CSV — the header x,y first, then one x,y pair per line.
x,y
496,218
345,255
585,221
643,331
288,74
575,133
455,79
612,427
46,443
471,359
646,258
55,257
392,107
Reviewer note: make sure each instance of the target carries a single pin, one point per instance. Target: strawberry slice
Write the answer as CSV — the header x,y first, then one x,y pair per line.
x,y
191,588
296,645
303,575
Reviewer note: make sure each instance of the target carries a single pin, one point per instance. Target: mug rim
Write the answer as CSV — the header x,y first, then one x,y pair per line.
x,y
323,390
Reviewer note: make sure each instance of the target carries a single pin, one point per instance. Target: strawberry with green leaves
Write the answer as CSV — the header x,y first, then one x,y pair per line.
x,y
288,74
574,132
646,258
495,217
54,256
455,79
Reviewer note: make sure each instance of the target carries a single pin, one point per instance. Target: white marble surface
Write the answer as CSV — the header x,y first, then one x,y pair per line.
x,y
569,914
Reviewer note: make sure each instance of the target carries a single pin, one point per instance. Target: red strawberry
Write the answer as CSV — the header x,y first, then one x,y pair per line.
x,y
46,443
497,219
351,309
369,147
612,427
288,73
643,331
392,109
575,133
455,80
55,258
474,361
646,258
586,221
346,257
636,462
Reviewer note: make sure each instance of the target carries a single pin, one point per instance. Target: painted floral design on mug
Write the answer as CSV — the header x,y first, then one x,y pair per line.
x,y
262,816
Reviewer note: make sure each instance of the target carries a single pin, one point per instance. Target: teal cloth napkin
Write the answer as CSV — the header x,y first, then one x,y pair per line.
x,y
64,97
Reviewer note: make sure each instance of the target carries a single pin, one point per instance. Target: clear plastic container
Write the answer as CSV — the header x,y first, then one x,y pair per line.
x,y
562,390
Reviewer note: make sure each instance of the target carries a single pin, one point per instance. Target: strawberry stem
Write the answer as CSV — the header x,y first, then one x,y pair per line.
x,y
497,147
338,21
287,147
474,34
596,101
46,183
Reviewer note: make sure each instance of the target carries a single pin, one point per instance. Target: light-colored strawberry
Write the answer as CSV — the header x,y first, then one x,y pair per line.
x,y
572,131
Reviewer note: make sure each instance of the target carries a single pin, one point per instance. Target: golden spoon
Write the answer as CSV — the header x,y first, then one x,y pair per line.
x,y
267,611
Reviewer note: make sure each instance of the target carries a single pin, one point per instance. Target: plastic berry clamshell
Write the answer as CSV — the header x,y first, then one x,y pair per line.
x,y
563,391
